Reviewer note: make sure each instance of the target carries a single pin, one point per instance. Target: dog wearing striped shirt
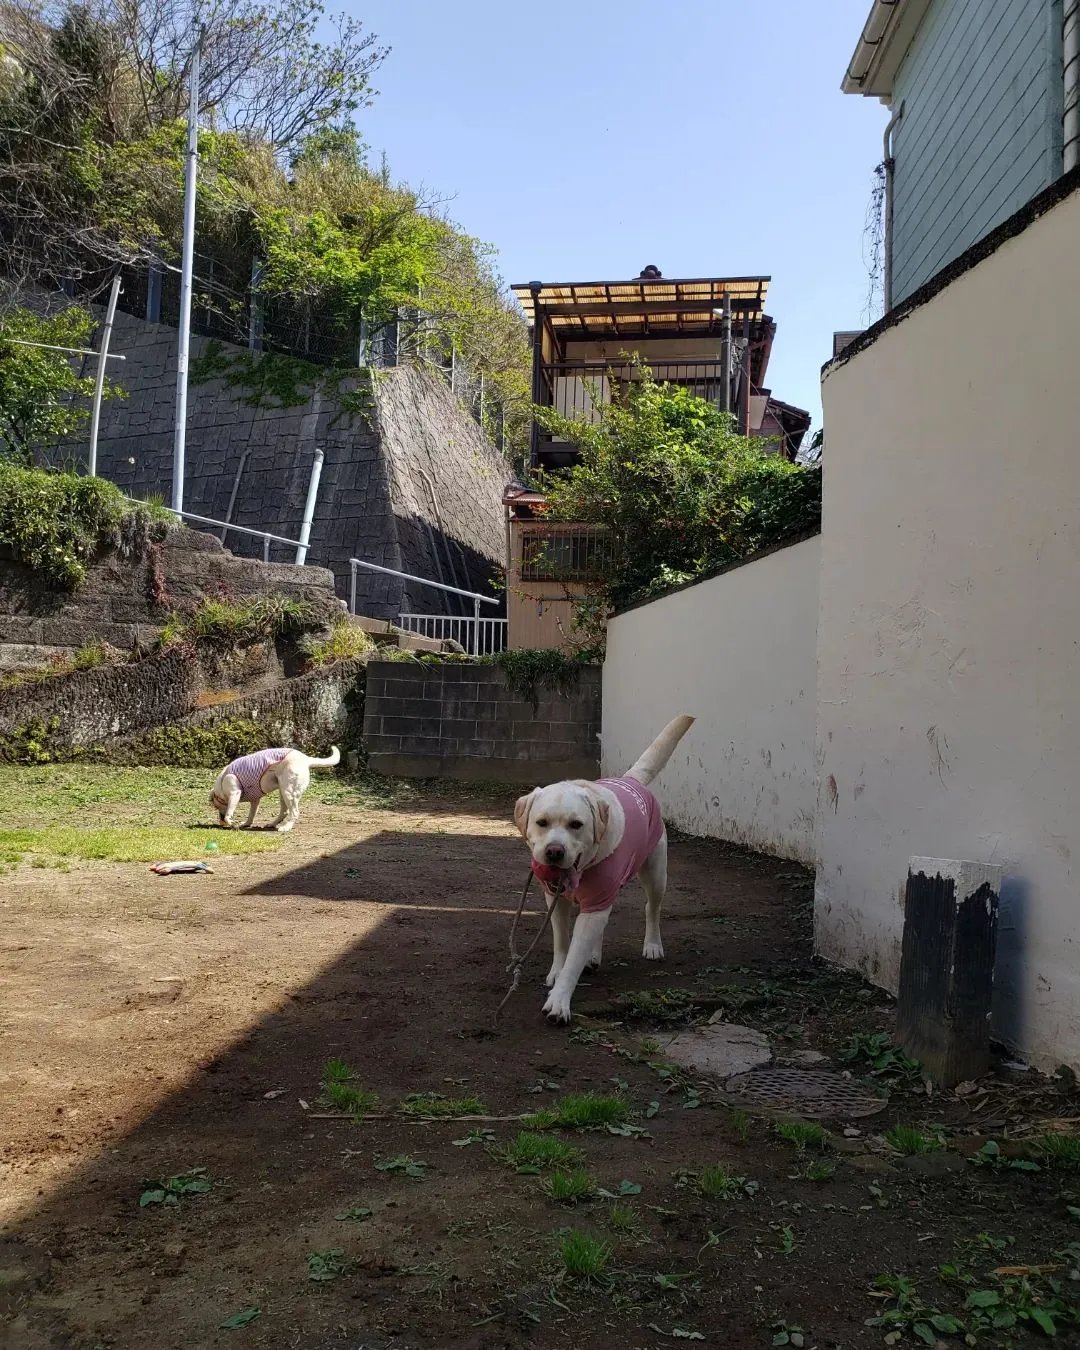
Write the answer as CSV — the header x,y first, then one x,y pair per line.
x,y
251,777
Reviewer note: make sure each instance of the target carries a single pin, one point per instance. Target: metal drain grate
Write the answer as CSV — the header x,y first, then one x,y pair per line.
x,y
805,1092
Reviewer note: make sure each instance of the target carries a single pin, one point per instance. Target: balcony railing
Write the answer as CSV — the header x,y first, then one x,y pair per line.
x,y
564,552
578,388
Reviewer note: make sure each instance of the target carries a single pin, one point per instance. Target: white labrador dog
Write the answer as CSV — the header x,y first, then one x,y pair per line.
x,y
593,838
249,779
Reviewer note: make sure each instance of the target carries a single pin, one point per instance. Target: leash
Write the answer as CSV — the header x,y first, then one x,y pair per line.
x,y
516,961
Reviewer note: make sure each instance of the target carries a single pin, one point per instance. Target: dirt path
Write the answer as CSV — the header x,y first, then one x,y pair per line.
x,y
154,1025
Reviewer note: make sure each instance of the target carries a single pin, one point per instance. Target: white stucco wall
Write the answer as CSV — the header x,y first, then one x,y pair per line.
x,y
949,634
738,652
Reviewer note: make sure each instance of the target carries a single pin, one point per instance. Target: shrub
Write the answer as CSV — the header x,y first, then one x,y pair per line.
x,y
675,487
58,523
345,642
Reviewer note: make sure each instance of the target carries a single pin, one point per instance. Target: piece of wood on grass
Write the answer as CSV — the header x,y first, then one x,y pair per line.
x,y
947,967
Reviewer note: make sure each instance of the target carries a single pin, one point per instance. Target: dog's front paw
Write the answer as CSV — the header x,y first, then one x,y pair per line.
x,y
653,951
557,1009
285,828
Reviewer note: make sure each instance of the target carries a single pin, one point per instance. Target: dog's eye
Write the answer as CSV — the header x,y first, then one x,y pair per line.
x,y
575,824
542,824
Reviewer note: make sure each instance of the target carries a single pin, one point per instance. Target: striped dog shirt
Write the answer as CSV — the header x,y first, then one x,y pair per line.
x,y
249,770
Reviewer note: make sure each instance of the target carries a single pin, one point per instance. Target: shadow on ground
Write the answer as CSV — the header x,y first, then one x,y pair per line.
x,y
460,1259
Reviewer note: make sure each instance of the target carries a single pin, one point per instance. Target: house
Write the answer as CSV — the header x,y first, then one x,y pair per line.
x,y
947,656
589,341
983,97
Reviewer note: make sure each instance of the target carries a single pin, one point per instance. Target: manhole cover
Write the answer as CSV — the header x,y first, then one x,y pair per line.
x,y
805,1092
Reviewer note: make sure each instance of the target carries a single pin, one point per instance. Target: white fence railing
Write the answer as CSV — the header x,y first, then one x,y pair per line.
x,y
475,632
480,637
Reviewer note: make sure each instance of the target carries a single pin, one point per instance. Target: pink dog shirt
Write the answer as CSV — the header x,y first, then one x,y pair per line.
x,y
249,770
600,884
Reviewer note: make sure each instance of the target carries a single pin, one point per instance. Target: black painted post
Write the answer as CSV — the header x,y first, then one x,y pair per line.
x,y
947,967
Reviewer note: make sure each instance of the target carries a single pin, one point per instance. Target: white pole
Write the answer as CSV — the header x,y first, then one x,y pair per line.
x,y
309,508
99,380
187,267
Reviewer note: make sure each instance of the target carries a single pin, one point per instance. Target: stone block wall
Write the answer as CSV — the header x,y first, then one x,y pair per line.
x,y
462,721
116,603
414,485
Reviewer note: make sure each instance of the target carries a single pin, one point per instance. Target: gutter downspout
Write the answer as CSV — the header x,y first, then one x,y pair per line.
x,y
309,507
235,489
1070,50
889,163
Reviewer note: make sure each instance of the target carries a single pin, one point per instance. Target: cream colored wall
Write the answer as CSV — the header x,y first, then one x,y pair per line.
x,y
949,634
738,652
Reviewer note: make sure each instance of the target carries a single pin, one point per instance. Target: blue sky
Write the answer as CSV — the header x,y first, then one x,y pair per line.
x,y
585,140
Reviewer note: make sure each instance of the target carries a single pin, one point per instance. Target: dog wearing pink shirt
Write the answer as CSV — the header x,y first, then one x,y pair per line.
x,y
252,777
594,838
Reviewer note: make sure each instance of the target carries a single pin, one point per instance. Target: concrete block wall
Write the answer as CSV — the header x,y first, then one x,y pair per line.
x,y
461,720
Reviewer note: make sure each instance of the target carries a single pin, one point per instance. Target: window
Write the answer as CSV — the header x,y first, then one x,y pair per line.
x,y
564,555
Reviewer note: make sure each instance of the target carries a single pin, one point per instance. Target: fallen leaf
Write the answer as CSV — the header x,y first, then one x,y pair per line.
x,y
1025,1270
277,1092
240,1319
303,1104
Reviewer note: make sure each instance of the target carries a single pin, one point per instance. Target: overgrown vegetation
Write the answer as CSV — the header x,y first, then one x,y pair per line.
x,y
225,623
208,747
59,523
528,671
676,489
92,136
345,642
42,400
87,657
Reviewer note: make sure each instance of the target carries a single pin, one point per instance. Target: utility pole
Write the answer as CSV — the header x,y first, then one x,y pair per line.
x,y
187,267
725,353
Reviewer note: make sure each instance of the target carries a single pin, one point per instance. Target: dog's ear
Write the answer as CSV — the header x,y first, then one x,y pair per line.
x,y
521,812
601,812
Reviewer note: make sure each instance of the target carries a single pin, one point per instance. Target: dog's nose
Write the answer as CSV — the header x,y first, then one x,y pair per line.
x,y
554,853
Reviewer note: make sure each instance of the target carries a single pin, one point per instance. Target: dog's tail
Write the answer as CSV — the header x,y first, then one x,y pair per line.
x,y
333,758
653,760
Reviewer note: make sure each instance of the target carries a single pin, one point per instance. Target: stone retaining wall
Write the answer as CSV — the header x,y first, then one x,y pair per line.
x,y
411,484
125,601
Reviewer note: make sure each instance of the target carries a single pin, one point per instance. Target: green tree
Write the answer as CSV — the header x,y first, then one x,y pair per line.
x,y
42,400
676,487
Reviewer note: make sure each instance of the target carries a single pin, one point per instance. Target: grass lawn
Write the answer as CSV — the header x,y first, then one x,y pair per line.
x,y
52,812
57,811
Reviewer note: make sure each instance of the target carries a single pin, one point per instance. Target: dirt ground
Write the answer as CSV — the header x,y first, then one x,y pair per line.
x,y
150,1026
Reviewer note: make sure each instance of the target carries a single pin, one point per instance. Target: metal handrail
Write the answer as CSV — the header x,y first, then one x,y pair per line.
x,y
474,596
226,525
